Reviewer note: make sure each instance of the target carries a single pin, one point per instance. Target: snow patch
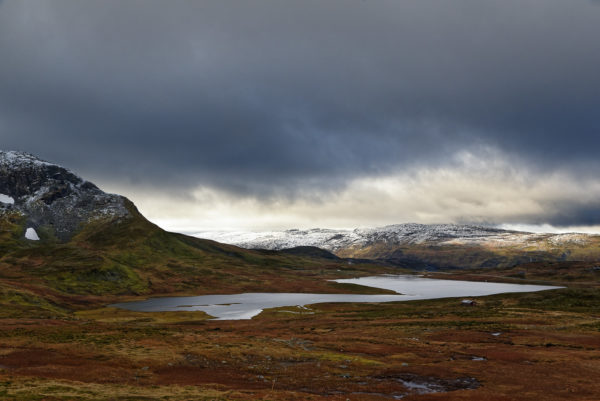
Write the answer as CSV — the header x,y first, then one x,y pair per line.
x,y
6,199
21,159
31,234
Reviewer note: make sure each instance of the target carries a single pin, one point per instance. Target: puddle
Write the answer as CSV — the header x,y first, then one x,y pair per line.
x,y
416,384
399,386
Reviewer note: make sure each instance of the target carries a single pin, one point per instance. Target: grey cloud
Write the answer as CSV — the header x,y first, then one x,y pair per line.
x,y
585,217
275,98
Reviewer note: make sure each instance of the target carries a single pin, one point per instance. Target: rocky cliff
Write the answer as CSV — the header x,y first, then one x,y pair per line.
x,y
53,201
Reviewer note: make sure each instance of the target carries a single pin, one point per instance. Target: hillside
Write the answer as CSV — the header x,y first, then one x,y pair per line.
x,y
428,246
90,247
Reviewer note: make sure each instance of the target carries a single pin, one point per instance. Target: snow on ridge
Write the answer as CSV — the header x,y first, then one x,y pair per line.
x,y
19,160
419,233
49,194
15,158
399,234
279,239
22,161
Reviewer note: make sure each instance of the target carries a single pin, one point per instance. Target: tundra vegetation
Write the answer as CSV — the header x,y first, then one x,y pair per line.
x,y
58,340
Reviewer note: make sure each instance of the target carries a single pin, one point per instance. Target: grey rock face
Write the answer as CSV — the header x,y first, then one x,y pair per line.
x,y
51,197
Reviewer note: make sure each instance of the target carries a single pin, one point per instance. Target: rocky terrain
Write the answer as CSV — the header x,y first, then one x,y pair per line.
x,y
53,201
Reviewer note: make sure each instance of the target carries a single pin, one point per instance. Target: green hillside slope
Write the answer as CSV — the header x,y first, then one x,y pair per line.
x,y
127,257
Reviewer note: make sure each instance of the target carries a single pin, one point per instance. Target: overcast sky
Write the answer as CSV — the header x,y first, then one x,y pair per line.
x,y
331,113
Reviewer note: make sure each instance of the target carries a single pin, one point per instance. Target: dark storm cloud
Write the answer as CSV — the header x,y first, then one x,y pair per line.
x,y
265,96
570,216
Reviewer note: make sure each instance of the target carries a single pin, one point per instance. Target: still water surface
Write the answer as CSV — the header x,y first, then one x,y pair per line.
x,y
245,306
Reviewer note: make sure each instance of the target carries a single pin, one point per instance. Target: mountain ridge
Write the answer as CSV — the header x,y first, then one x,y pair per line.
x,y
53,200
407,233
415,244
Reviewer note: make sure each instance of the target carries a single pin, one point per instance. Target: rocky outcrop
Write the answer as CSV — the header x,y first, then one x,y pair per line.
x,y
51,198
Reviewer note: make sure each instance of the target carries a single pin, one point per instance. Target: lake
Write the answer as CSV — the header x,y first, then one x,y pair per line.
x,y
248,305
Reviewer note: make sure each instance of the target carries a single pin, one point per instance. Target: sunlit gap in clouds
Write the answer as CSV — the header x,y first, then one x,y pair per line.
x,y
485,189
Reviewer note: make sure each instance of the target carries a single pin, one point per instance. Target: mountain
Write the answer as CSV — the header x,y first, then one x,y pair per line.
x,y
54,201
338,241
421,245
64,243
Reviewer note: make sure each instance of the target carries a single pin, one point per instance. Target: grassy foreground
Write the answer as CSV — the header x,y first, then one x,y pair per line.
x,y
58,341
534,346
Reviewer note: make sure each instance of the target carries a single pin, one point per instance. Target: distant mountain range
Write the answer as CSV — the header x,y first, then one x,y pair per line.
x,y
420,245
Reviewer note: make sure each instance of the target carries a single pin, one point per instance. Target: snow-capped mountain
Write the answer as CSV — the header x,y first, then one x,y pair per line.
x,y
331,240
397,234
440,244
51,198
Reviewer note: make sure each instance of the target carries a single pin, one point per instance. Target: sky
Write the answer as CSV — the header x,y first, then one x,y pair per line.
x,y
260,115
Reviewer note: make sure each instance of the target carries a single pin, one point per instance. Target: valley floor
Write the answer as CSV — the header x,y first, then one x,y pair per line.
x,y
508,347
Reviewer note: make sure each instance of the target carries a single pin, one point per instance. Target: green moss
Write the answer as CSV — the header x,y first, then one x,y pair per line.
x,y
15,302
568,299
110,278
11,231
339,357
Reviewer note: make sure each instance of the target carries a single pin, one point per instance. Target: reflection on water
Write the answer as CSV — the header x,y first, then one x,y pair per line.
x,y
245,306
